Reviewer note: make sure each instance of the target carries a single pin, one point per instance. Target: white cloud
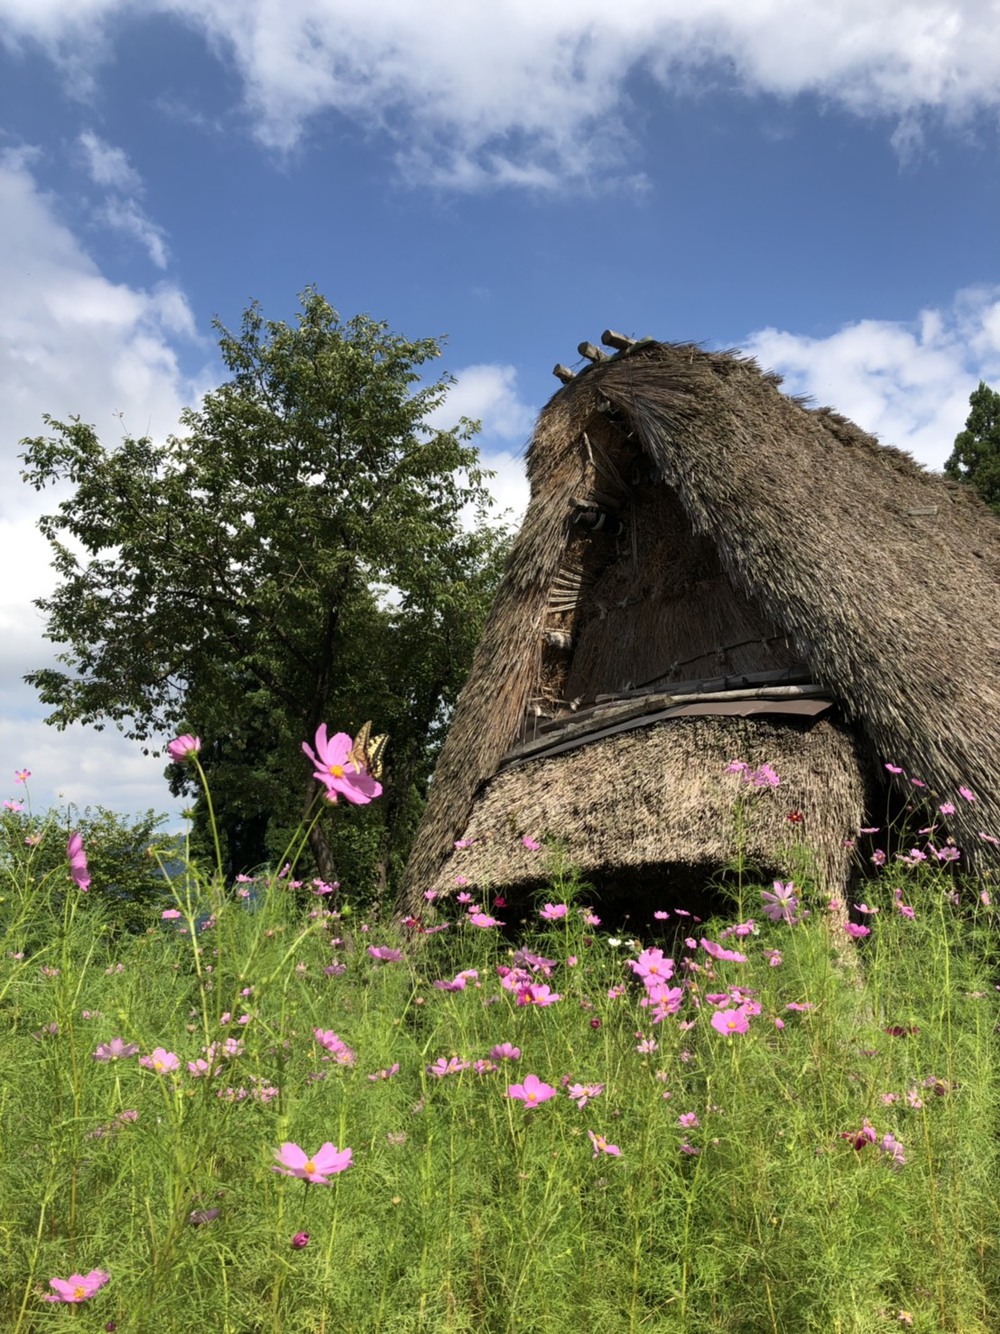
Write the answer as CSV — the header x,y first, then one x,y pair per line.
x,y
487,394
71,343
909,384
537,94
110,169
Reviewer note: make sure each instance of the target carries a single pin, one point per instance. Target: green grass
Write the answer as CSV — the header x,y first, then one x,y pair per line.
x,y
463,1210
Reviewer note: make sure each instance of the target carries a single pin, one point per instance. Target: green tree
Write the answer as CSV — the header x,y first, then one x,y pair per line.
x,y
976,456
296,555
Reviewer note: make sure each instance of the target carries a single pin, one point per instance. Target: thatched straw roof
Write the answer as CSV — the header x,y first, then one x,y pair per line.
x,y
689,521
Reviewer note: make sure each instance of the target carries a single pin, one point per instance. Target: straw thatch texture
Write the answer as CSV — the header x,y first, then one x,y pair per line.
x,y
661,797
794,537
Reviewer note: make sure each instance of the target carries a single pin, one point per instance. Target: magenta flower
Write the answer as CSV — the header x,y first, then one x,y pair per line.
x,y
601,1145
530,843
334,768
78,861
533,1092
78,1287
115,1050
859,1138
652,967
183,747
300,1241
162,1061
384,953
688,1121
729,1022
553,912
504,1051
327,1162
855,931
966,794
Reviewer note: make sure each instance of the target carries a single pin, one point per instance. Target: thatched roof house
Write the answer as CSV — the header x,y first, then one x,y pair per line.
x,y
708,571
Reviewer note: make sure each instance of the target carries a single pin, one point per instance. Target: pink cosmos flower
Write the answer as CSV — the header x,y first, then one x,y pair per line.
x,y
537,994
325,1163
170,914
533,1092
894,768
782,904
443,1066
729,1022
719,952
458,983
78,1287
652,967
300,1241
530,843
504,1051
661,916
966,794
162,1061
78,861
582,1093
183,747
333,768
688,1121
553,912
601,1145
482,919
115,1050
856,931
384,953
859,1138
21,775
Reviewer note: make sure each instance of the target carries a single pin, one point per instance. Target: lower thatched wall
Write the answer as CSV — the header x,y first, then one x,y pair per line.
x,y
660,798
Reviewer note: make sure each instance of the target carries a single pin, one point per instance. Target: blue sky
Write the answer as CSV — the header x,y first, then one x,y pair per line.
x,y
815,183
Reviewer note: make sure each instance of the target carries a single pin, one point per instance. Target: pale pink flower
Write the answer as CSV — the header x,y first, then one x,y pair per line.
x,y
553,912
459,982
530,843
162,1061
334,768
537,994
782,904
601,1145
443,1066
482,919
688,1121
170,914
651,966
856,931
533,1092
21,775
946,808
385,1074
504,1051
582,1093
966,793
325,1163
385,954
115,1050
78,1287
183,747
78,862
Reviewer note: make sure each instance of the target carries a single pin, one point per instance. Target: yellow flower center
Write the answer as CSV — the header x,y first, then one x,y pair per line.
x,y
79,1292
310,1166
337,770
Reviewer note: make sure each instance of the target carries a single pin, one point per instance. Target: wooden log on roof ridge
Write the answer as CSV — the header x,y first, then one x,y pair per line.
x,y
591,352
616,340
563,373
